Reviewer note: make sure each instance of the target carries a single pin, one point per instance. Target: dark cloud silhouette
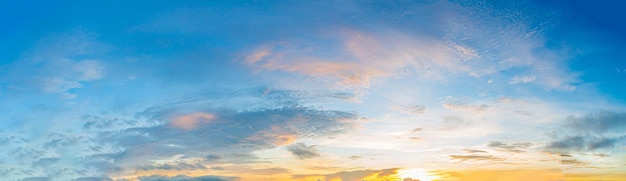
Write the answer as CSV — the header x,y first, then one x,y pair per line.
x,y
301,151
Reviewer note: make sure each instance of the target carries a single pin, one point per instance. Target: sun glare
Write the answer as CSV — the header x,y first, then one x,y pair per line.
x,y
416,174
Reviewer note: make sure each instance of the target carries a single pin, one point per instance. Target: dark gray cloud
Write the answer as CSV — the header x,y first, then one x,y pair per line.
x,y
509,147
179,165
602,130
301,151
583,143
213,157
598,122
185,178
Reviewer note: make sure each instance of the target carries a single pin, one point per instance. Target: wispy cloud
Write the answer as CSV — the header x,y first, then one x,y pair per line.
x,y
39,68
475,158
515,147
522,79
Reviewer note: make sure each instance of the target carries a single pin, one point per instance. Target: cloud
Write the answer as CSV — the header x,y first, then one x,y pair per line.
x,y
186,178
460,106
469,41
190,121
583,143
509,147
573,162
60,83
362,56
176,165
454,122
413,109
238,169
301,151
598,122
212,127
213,157
244,131
352,175
601,130
474,151
475,158
183,128
39,68
522,79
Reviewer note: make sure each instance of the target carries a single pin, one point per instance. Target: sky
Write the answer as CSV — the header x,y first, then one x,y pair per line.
x,y
350,90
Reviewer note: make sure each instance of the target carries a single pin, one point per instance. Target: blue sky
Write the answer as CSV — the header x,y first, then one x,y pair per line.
x,y
296,90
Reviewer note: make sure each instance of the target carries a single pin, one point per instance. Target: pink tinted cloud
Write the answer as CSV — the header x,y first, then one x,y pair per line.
x,y
191,121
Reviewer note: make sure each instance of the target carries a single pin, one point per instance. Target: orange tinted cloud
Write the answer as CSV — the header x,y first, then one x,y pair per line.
x,y
191,121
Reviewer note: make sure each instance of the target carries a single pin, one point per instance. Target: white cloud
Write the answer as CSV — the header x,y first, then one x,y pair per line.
x,y
51,66
88,70
522,79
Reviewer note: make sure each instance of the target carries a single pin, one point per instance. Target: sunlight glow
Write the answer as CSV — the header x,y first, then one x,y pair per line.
x,y
416,173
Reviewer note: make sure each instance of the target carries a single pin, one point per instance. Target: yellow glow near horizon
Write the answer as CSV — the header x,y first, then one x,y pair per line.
x,y
416,173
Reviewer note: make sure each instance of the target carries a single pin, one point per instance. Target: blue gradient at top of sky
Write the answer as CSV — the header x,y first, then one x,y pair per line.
x,y
595,28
